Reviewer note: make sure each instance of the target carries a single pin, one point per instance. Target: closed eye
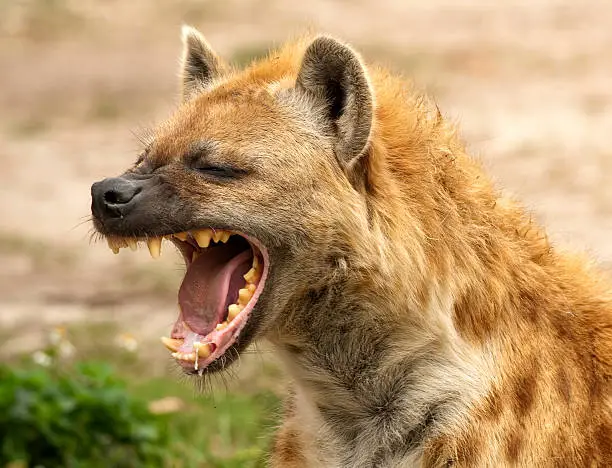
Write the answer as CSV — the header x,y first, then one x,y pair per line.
x,y
218,171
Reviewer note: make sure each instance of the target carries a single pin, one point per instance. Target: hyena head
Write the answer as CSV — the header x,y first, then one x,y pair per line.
x,y
255,179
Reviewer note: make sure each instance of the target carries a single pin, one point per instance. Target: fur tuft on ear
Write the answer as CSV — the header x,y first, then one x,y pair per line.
x,y
200,65
333,75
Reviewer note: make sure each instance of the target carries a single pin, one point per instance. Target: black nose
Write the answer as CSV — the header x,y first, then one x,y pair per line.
x,y
113,197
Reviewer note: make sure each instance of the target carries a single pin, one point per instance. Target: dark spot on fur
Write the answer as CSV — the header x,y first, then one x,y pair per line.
x,y
564,327
468,450
514,443
287,448
524,389
471,319
603,437
564,386
529,304
595,386
493,405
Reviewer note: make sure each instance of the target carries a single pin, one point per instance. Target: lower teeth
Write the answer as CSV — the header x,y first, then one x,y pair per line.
x,y
204,350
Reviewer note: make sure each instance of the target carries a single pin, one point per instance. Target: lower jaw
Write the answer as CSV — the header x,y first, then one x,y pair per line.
x,y
194,351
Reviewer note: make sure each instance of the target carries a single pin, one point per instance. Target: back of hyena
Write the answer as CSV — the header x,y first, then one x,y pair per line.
x,y
424,319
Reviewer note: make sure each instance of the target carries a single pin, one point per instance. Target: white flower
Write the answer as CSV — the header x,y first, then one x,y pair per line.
x,y
41,358
66,349
57,335
166,405
127,342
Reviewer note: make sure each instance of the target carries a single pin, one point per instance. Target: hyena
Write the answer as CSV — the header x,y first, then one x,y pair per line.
x,y
327,207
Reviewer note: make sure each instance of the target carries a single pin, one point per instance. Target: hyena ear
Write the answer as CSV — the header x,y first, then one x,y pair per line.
x,y
200,65
333,76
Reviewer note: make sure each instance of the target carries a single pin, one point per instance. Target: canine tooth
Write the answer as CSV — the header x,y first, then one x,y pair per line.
x,y
202,237
171,343
132,244
251,276
225,237
154,244
244,296
232,311
180,236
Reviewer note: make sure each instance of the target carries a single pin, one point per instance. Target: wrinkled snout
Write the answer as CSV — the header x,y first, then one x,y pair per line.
x,y
114,197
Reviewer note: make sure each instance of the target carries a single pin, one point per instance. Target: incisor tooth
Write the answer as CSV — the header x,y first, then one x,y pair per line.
x,y
184,356
255,262
251,287
171,343
154,244
232,311
244,296
194,255
132,244
221,326
181,236
202,237
217,235
112,246
251,276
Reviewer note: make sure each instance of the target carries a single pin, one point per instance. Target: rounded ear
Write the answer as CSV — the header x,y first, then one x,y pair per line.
x,y
200,65
333,75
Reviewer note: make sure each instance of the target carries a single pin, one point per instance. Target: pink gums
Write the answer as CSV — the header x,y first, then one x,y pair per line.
x,y
221,339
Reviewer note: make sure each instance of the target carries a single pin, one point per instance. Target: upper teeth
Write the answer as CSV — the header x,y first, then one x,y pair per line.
x,y
180,235
154,246
201,236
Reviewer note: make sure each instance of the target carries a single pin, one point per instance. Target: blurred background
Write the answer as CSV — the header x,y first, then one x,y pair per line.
x,y
84,380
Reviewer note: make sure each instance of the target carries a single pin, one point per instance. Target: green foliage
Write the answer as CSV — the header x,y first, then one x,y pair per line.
x,y
87,414
220,429
77,417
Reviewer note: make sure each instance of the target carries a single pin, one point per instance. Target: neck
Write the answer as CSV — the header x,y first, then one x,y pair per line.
x,y
377,373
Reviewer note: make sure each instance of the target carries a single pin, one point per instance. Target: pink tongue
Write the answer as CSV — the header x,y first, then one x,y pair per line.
x,y
211,284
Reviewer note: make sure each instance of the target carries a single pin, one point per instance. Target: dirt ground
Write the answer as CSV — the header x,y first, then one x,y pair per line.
x,y
529,83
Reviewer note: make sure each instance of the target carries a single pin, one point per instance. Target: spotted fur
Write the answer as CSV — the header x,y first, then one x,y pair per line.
x,y
424,319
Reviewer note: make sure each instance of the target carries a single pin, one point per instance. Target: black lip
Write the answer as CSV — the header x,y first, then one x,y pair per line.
x,y
144,228
176,215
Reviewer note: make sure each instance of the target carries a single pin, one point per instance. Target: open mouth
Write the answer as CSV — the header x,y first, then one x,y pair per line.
x,y
226,273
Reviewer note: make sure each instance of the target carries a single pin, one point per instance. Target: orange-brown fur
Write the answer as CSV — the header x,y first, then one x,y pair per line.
x,y
545,316
425,319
